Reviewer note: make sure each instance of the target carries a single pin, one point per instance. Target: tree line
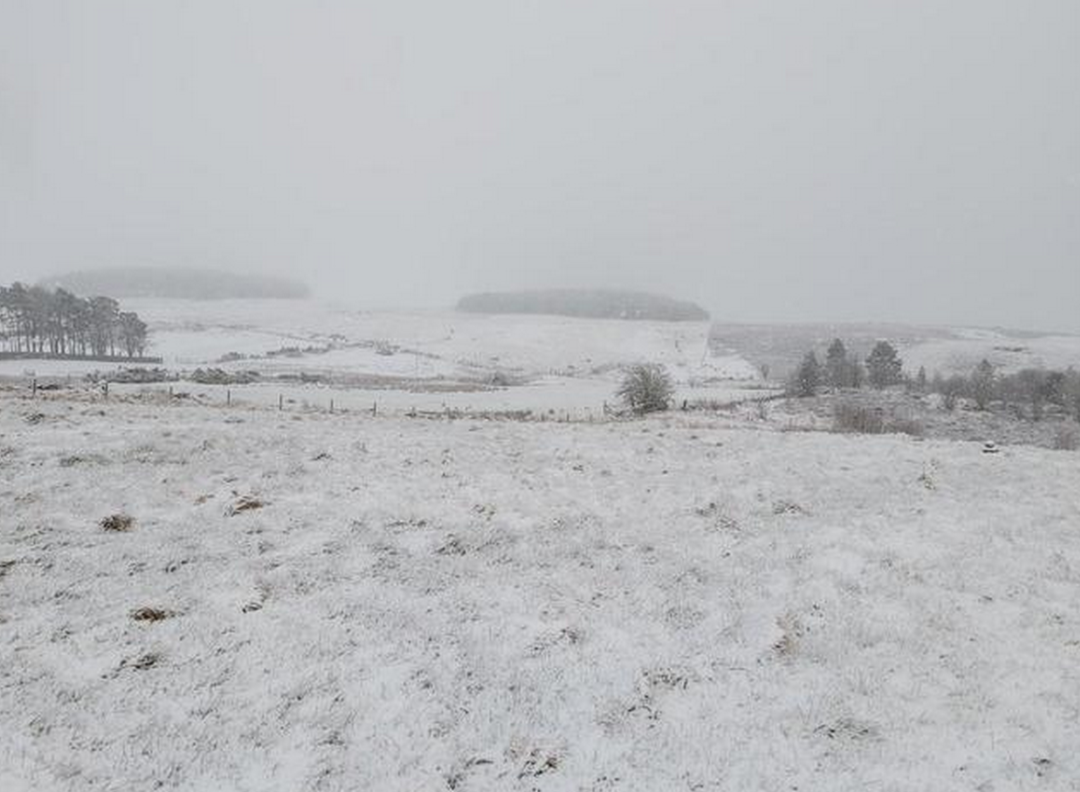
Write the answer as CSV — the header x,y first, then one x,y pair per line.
x,y
1028,392
585,303
882,368
37,320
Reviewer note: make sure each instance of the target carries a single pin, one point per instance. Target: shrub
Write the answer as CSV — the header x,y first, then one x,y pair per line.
x,y
908,426
951,390
646,388
856,419
1067,438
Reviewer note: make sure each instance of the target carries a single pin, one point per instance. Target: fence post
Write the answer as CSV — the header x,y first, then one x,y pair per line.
x,y
228,397
33,390
331,406
106,390
374,409
280,402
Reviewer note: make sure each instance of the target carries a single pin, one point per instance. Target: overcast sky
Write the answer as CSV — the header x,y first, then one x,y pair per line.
x,y
915,160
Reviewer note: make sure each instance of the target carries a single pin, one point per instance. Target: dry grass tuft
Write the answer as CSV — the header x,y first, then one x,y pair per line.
x,y
788,507
117,523
245,503
849,418
142,662
148,614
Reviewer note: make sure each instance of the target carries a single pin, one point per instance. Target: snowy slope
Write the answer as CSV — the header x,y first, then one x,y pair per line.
x,y
1007,353
186,332
426,605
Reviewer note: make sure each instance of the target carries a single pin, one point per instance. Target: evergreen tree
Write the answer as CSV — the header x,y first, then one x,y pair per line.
x,y
982,384
35,320
837,368
807,378
884,366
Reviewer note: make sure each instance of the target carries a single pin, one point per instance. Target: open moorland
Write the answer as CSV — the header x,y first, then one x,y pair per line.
x,y
206,594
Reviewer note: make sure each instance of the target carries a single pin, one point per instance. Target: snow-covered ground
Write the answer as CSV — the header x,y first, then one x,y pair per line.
x,y
427,360
1008,353
574,397
668,604
186,332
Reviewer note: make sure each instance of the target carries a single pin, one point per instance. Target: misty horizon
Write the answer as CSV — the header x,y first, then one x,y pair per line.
x,y
821,163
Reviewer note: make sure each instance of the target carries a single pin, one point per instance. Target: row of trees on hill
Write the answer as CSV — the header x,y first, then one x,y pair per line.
x,y
882,368
36,320
585,303
176,283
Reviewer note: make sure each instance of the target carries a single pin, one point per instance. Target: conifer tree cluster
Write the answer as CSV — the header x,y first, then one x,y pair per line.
x,y
36,320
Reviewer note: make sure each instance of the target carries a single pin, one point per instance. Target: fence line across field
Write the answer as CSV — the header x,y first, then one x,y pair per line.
x,y
333,405
211,395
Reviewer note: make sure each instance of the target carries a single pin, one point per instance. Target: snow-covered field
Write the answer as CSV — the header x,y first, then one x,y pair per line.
x,y
429,360
186,332
678,603
1007,353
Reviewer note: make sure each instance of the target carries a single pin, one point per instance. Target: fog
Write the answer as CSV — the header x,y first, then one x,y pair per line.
x,y
799,161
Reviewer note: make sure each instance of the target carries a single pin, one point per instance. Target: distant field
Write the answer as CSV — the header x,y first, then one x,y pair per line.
x,y
585,303
437,360
939,349
427,360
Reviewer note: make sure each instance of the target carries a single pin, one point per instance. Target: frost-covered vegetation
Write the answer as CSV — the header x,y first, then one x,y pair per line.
x,y
588,303
210,579
201,598
1029,393
779,348
646,388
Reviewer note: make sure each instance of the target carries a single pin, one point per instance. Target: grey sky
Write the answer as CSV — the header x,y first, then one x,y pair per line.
x,y
916,160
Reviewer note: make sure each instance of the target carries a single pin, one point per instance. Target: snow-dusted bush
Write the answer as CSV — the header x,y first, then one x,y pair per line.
x,y
858,419
1067,438
646,388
